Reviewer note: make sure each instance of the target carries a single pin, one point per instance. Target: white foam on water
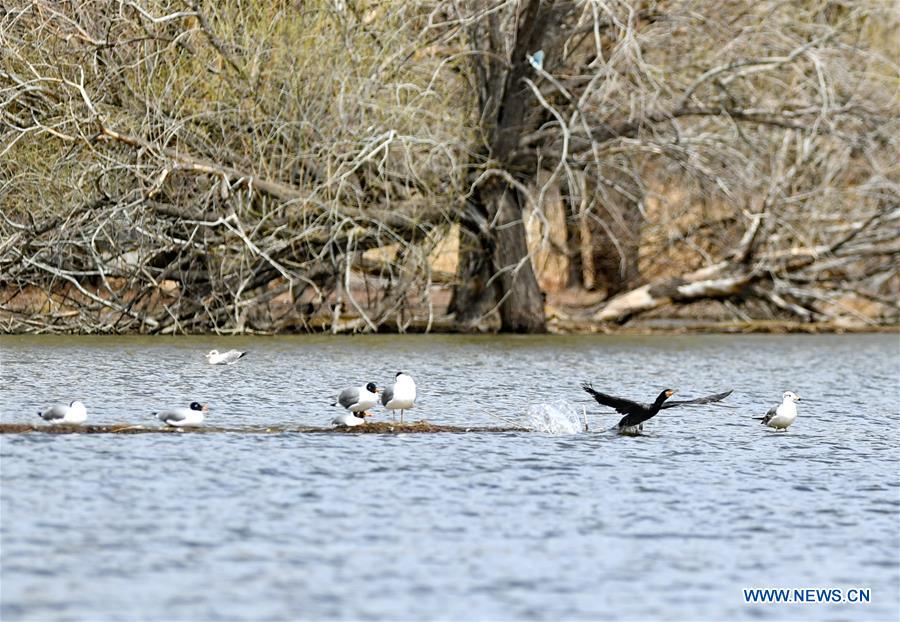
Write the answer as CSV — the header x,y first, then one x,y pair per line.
x,y
558,418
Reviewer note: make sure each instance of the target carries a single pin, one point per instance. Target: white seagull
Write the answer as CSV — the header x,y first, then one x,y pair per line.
x,y
782,416
75,412
358,399
214,357
348,420
179,417
401,395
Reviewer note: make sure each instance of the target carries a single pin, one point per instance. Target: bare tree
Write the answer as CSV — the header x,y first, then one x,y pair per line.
x,y
776,119
184,166
495,266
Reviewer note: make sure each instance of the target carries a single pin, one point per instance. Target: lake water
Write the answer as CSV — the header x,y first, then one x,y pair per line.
x,y
673,524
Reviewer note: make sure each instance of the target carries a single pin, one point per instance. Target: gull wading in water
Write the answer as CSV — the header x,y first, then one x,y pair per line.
x,y
637,413
401,395
180,417
782,416
75,412
358,399
214,357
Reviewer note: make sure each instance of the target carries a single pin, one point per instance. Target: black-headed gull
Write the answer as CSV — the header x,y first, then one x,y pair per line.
x,y
348,420
180,416
358,399
75,412
401,395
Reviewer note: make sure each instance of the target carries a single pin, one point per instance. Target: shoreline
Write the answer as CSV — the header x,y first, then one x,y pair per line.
x,y
655,327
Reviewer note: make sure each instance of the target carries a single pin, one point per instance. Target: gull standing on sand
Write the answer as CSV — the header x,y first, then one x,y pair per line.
x,y
358,399
401,395
75,412
782,416
179,417
214,357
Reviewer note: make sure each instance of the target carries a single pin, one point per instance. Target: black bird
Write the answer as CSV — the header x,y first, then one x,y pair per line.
x,y
637,413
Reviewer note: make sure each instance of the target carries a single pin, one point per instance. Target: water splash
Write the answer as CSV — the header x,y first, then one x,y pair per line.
x,y
558,418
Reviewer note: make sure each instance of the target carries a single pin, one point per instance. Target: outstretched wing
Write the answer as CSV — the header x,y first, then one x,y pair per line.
x,y
626,407
234,355
716,397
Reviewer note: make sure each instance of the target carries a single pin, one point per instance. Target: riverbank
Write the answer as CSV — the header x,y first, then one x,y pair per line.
x,y
555,326
74,311
70,320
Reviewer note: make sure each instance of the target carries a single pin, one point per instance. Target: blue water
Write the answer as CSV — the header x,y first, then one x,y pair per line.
x,y
526,526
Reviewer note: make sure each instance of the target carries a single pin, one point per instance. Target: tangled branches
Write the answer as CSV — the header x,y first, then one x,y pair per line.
x,y
178,166
217,179
717,150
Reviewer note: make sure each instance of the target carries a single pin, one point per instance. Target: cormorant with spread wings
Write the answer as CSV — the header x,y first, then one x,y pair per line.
x,y
637,413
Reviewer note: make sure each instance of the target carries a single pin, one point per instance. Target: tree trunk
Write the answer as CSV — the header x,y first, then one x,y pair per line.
x,y
505,102
495,270
722,280
473,295
522,303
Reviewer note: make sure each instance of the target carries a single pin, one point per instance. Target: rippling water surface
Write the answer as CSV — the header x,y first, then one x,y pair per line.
x,y
672,524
